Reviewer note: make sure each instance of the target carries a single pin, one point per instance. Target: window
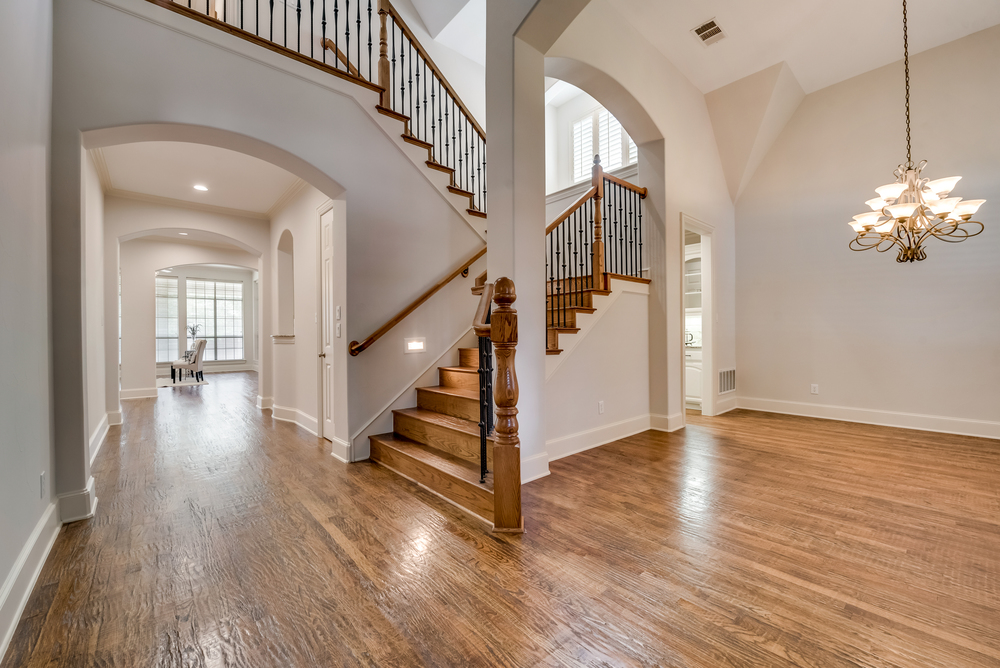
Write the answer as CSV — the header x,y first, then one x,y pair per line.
x,y
615,147
218,307
166,319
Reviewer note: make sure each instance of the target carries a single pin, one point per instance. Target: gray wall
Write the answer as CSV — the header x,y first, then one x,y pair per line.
x,y
886,342
25,439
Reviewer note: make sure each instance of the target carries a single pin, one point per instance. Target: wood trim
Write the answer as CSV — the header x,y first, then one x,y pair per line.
x,y
506,445
625,184
569,210
260,41
332,46
385,5
357,347
622,277
479,322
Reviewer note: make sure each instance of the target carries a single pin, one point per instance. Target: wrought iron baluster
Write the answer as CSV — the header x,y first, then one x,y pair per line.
x,y
392,84
347,35
639,224
434,152
323,38
409,83
369,40
357,8
298,26
425,101
336,34
402,71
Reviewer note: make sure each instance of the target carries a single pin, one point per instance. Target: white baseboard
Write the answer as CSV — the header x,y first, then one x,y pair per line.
x,y
97,438
139,393
564,446
304,420
264,403
22,577
534,467
947,425
79,505
725,404
115,418
666,422
340,449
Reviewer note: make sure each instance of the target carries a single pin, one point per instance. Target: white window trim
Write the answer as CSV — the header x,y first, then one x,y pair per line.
x,y
243,336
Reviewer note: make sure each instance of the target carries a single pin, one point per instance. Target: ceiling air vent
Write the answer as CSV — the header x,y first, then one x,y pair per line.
x,y
709,32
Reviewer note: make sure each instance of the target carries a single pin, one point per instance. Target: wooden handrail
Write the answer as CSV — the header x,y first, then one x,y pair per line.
x,y
386,6
479,322
625,184
569,211
506,444
357,347
266,43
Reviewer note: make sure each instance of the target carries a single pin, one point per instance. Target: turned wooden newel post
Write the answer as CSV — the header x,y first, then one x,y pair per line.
x,y
598,263
507,446
383,54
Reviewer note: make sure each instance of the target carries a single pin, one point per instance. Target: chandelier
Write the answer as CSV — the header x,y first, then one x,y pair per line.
x,y
913,209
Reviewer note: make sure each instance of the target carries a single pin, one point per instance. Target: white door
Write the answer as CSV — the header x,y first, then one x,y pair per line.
x,y
327,325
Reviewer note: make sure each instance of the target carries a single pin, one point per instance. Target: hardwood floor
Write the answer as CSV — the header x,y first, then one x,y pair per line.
x,y
224,538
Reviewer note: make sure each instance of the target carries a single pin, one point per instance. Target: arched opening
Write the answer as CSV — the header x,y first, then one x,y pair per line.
x,y
286,285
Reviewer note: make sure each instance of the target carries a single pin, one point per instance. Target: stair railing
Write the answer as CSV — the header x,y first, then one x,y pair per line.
x,y
366,42
481,324
506,444
356,347
598,235
413,86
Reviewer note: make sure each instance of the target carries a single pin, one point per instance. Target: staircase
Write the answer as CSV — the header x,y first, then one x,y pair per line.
x,y
437,443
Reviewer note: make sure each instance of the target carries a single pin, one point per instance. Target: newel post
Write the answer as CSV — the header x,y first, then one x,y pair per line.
x,y
383,54
507,446
598,262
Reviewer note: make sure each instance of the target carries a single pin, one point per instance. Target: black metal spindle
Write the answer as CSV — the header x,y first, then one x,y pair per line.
x,y
590,237
392,79
402,72
468,172
312,23
434,151
409,82
322,47
357,7
347,35
369,40
271,29
447,146
298,26
336,34
485,399
284,13
640,237
425,101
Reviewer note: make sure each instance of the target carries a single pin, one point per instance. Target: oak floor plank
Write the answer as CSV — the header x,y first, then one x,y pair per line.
x,y
226,538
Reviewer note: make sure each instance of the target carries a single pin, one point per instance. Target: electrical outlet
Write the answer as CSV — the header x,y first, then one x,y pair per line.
x,y
600,408
338,330
41,485
814,389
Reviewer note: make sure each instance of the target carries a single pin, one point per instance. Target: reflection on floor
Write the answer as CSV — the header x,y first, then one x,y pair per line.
x,y
225,538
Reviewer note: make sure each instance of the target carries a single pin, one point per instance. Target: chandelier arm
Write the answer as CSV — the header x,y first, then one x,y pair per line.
x,y
942,232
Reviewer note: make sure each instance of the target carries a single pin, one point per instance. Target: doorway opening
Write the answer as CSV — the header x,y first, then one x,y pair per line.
x,y
699,316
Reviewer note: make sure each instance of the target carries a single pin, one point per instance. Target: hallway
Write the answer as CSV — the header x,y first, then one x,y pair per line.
x,y
225,538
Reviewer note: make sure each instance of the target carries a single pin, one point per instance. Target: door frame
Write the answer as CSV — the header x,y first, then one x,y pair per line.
x,y
708,312
323,209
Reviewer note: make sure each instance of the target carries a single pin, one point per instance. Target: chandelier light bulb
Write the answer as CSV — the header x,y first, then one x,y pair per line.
x,y
918,209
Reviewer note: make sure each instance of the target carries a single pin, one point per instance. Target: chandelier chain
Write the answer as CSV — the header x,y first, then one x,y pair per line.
x,y
906,67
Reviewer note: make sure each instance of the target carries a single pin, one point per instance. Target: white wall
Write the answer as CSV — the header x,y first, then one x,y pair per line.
x,y
124,220
886,342
608,361
140,259
93,278
606,49
28,522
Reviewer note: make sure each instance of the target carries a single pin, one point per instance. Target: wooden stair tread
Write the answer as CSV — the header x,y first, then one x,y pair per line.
x,y
392,114
577,309
441,420
442,461
553,351
438,166
410,139
451,391
460,369
461,191
563,330
476,212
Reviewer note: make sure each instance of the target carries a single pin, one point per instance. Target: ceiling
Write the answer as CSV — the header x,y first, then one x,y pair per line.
x,y
171,169
823,41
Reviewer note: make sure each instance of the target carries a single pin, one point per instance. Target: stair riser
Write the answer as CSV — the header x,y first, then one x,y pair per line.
x,y
571,284
584,299
560,318
552,339
472,497
460,407
468,357
450,378
457,443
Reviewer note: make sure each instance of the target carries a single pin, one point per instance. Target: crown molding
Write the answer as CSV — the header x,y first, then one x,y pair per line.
x,y
286,197
101,165
169,201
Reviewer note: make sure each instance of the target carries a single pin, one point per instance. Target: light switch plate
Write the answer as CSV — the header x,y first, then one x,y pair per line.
x,y
338,313
338,330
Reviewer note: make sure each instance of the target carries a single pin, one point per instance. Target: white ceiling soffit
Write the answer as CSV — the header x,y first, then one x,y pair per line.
x,y
466,32
823,42
235,181
436,14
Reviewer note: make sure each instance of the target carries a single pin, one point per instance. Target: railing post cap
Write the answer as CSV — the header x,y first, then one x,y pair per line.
x,y
597,159
503,291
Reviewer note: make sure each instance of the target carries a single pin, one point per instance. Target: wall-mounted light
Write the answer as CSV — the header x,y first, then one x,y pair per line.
x,y
201,188
417,345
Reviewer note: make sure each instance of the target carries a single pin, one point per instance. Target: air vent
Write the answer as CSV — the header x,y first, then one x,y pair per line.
x,y
709,32
727,381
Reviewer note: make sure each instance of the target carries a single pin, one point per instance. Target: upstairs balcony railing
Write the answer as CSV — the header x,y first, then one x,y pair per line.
x,y
369,43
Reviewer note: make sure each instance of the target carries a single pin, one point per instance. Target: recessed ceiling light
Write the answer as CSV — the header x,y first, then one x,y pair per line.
x,y
201,188
183,234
